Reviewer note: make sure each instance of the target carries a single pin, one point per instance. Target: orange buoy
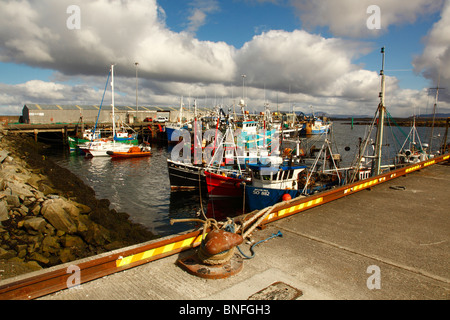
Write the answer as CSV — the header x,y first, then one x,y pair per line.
x,y
286,197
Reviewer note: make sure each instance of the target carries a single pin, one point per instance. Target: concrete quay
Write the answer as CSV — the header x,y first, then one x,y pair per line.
x,y
387,243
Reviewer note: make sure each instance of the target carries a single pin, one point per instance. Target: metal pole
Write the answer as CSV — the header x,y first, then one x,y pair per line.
x,y
112,102
381,110
136,64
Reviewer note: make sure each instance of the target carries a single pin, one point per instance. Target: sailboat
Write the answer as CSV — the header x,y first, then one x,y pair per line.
x,y
100,148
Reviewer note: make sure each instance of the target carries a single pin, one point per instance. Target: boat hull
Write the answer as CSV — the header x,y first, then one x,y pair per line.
x,y
257,198
223,186
100,149
170,132
126,155
74,142
185,177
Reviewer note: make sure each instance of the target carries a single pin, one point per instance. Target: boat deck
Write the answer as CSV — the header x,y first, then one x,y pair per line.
x,y
388,242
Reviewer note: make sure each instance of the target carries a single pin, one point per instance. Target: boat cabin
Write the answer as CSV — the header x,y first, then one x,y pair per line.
x,y
278,177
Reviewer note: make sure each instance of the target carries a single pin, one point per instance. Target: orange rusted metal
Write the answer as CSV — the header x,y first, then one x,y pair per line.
x,y
218,241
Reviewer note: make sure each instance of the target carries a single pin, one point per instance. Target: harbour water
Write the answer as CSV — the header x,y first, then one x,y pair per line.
x,y
140,186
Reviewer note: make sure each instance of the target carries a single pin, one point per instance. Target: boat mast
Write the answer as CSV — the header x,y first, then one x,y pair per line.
x,y
434,113
112,101
381,116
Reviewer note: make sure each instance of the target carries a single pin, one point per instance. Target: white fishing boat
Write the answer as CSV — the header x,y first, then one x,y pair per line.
x,y
412,150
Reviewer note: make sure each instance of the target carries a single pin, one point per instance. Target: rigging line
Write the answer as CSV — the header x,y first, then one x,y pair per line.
x,y
101,104
401,130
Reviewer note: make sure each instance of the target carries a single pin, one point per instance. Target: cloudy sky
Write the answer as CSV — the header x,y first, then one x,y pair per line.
x,y
293,53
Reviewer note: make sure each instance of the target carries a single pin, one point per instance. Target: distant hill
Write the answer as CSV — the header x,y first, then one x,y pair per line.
x,y
438,115
356,117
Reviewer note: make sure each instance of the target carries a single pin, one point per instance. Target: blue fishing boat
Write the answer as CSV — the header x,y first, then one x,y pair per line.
x,y
272,184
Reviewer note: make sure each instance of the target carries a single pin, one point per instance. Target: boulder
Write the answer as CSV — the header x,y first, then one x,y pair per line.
x,y
3,211
3,155
56,211
97,235
83,209
37,224
36,209
39,258
19,188
66,255
70,241
33,266
34,181
50,244
46,189
6,254
13,201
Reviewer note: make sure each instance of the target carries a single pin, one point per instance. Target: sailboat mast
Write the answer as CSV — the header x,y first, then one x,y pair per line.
x,y
381,116
112,101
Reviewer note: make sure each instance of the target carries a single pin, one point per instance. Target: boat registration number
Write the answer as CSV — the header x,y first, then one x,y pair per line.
x,y
261,192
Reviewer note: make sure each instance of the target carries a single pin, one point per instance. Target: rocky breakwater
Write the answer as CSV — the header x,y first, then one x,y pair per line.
x,y
48,216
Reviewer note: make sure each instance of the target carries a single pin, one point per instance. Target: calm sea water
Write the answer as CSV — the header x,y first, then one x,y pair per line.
x,y
141,186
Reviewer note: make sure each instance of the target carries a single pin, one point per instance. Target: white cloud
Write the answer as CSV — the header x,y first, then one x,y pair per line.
x,y
282,67
305,63
434,62
198,13
348,18
121,32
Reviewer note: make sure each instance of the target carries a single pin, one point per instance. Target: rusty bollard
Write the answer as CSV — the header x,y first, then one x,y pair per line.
x,y
216,257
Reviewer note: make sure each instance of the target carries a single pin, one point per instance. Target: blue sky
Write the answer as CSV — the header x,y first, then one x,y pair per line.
x,y
317,53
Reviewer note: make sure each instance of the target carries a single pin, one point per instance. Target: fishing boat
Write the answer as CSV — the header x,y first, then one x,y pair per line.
x,y
271,184
123,136
133,152
225,180
412,150
274,183
86,136
186,176
99,148
316,126
225,183
172,127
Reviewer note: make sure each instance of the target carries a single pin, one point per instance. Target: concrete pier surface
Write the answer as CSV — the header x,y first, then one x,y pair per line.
x,y
391,242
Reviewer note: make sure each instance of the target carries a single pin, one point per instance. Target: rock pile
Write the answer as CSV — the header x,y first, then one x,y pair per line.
x,y
42,226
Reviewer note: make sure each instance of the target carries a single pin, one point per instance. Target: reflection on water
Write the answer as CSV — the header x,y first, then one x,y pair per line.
x,y
140,186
